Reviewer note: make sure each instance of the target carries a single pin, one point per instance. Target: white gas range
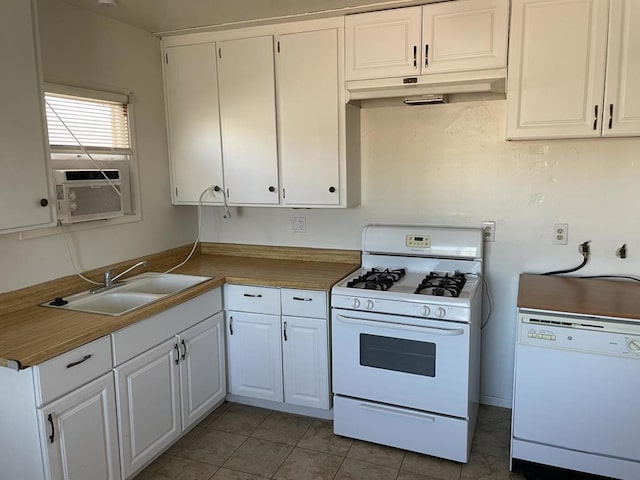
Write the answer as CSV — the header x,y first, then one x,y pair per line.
x,y
406,340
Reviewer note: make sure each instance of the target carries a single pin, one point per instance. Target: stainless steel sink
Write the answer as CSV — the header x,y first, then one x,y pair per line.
x,y
136,292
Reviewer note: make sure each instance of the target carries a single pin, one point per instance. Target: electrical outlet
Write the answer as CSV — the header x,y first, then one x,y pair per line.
x,y
299,224
489,231
560,233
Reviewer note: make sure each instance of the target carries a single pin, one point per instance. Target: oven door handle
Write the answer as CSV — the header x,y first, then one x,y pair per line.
x,y
397,411
447,332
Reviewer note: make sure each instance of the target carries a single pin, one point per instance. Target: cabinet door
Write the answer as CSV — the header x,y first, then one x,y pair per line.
x,y
308,108
248,120
622,93
305,362
202,368
24,181
255,355
383,44
464,35
193,120
556,68
149,405
81,434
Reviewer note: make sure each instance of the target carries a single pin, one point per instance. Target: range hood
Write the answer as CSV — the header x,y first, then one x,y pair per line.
x,y
478,81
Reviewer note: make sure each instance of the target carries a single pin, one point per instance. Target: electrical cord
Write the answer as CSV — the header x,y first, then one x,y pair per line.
x,y
622,277
73,263
486,289
584,250
227,213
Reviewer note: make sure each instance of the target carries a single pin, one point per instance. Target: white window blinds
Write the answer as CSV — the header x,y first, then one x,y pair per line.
x,y
101,126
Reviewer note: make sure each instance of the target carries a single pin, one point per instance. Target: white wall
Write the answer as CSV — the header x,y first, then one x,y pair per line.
x,y
450,165
83,49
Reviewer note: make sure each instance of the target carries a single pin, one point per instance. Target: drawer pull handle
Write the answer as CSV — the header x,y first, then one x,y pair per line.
x,y
253,295
285,331
303,299
177,353
53,430
184,349
82,360
230,325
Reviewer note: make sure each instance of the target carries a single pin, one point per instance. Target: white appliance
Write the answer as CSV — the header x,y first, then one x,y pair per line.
x,y
85,195
406,340
576,393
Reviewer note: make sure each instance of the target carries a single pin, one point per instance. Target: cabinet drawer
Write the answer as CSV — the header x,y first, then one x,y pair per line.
x,y
69,371
304,303
245,298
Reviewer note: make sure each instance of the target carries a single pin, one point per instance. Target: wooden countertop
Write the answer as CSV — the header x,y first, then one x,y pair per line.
x,y
32,334
587,296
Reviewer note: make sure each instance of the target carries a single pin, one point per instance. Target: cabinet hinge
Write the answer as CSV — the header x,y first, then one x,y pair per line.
x,y
278,46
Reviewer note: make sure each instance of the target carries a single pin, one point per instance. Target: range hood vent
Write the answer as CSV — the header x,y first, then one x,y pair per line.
x,y
434,85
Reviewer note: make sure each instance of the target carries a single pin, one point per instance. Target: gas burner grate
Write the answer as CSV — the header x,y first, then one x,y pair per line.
x,y
376,279
442,285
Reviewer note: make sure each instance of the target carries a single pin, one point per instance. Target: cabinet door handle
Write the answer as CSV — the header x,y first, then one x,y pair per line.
x,y
184,349
230,325
253,295
426,55
610,116
177,353
303,299
285,331
78,362
415,56
53,430
595,117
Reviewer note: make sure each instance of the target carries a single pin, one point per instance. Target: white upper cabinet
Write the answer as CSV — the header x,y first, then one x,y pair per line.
x,y
440,38
194,119
560,53
622,91
246,82
383,44
309,117
464,35
24,159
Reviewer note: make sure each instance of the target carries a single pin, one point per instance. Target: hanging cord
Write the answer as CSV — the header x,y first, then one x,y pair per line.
x,y
84,150
75,268
486,289
195,244
227,213
584,250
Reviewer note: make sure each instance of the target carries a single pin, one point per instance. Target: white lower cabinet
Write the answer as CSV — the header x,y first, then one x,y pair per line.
x,y
162,391
276,358
80,435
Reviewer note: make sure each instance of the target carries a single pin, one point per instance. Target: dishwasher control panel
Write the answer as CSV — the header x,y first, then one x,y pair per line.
x,y
598,336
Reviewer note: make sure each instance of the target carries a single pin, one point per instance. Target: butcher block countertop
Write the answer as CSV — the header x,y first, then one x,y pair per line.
x,y
587,296
31,334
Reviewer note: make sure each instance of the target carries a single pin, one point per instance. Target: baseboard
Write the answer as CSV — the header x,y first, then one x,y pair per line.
x,y
495,401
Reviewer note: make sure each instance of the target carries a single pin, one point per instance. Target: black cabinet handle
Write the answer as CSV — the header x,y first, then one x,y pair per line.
x,y
177,353
332,189
426,55
302,299
415,56
272,188
44,202
595,118
253,295
610,116
230,325
53,430
84,359
285,331
184,349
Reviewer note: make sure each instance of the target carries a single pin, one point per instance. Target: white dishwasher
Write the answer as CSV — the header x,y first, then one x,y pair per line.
x,y
576,400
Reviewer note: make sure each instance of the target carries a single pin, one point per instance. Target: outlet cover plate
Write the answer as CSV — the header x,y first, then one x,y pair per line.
x,y
489,231
560,234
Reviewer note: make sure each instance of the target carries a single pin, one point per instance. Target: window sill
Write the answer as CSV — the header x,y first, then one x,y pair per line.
x,y
78,227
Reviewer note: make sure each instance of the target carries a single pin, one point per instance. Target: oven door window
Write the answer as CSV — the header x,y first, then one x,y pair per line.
x,y
397,354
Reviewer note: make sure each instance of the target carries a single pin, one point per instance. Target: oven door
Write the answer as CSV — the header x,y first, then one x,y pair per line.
x,y
423,366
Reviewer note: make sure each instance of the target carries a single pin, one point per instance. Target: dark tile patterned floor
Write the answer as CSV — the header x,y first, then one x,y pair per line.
x,y
239,442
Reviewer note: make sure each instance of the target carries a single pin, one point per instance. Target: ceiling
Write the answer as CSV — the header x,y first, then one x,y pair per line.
x,y
163,16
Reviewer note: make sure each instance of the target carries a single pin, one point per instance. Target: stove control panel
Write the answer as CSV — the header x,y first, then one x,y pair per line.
x,y
414,309
419,241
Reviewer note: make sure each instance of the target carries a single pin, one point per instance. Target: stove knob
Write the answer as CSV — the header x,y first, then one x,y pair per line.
x,y
369,304
425,311
440,312
634,346
356,303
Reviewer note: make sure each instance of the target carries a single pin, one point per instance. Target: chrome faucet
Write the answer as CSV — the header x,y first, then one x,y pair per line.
x,y
110,281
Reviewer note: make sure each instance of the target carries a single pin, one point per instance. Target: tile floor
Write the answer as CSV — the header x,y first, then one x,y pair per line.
x,y
239,442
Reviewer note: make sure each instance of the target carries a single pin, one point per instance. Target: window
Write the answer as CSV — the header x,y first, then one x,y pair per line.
x,y
102,123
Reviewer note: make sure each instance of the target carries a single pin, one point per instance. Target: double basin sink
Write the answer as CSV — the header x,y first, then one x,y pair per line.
x,y
127,296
